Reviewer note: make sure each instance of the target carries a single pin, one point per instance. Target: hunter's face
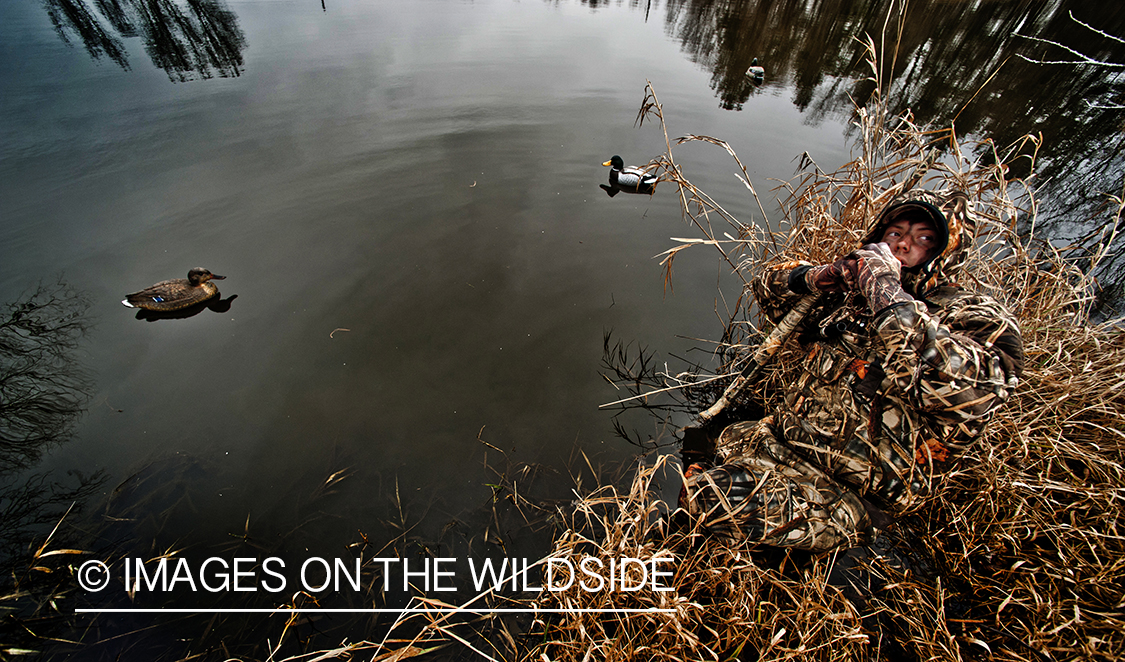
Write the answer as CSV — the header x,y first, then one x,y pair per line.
x,y
912,242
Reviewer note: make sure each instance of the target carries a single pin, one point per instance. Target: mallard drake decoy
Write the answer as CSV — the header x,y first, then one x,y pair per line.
x,y
176,293
755,71
630,180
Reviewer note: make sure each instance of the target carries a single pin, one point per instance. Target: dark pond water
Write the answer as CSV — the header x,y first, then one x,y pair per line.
x,y
404,199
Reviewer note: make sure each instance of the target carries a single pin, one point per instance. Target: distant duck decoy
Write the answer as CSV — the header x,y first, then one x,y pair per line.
x,y
177,293
755,71
630,180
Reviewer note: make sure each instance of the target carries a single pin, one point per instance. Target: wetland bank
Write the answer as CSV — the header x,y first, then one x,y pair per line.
x,y
425,278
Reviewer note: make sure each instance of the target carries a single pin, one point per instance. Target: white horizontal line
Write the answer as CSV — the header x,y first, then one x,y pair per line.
x,y
289,610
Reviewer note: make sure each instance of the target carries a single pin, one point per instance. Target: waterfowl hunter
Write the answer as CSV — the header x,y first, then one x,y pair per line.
x,y
630,180
177,293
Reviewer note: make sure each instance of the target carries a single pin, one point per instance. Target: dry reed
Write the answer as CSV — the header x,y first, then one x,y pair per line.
x,y
1020,557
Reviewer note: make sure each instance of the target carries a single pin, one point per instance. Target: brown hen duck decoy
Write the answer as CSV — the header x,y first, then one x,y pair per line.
x,y
177,293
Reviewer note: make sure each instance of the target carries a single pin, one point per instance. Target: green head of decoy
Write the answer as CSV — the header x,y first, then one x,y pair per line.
x,y
617,163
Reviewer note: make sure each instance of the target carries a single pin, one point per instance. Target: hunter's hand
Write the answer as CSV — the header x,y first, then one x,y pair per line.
x,y
879,276
836,277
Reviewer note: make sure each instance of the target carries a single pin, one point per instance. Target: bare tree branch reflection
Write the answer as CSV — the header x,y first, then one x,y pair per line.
x,y
1079,57
68,15
188,40
974,64
43,387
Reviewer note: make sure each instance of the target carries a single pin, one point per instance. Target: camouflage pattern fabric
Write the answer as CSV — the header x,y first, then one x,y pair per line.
x,y
768,494
885,402
835,277
879,276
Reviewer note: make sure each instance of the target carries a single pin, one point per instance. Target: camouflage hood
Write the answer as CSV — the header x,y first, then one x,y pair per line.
x,y
949,212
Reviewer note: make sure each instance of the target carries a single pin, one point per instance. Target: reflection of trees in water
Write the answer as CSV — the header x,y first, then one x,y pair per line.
x,y
955,63
199,38
43,388
43,392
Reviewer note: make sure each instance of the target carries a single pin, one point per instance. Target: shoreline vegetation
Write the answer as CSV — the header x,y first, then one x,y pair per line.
x,y
1020,557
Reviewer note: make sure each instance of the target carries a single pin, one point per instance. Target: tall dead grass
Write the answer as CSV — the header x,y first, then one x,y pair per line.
x,y
1020,557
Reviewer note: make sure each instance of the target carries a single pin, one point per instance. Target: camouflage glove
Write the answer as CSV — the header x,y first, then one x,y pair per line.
x,y
838,276
878,277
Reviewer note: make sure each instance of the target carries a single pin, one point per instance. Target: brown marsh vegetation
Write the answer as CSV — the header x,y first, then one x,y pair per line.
x,y
1021,557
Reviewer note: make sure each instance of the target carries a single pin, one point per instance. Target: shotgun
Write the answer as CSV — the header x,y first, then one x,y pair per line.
x,y
752,371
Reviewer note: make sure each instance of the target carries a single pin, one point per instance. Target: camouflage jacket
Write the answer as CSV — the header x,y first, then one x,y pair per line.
x,y
884,403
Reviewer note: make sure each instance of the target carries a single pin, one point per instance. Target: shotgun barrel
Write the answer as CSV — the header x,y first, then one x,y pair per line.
x,y
752,371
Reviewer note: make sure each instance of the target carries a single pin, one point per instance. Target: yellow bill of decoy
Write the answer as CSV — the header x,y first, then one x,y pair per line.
x,y
631,179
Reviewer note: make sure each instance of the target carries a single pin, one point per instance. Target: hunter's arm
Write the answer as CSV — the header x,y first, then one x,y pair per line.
x,y
957,364
779,287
